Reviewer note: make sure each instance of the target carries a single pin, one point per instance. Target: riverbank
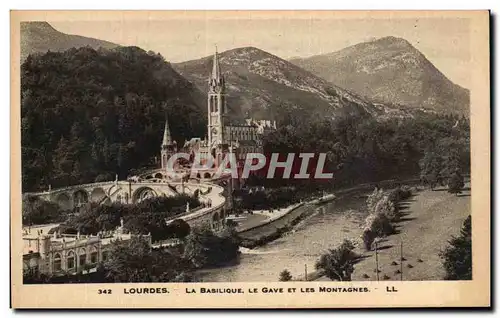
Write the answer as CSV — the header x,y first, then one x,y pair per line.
x,y
260,218
261,229
278,223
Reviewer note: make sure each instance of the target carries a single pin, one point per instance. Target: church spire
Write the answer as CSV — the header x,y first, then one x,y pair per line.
x,y
167,138
216,67
216,80
168,146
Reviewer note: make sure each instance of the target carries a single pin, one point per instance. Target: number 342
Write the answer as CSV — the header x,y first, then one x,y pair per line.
x,y
103,291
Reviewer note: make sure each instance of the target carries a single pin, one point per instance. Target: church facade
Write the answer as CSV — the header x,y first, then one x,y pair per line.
x,y
222,136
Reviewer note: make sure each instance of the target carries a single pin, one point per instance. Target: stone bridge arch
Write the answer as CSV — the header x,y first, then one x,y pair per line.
x,y
80,198
143,193
64,201
97,195
216,221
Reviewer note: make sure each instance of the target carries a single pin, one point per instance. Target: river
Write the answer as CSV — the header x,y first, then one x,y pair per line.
x,y
325,228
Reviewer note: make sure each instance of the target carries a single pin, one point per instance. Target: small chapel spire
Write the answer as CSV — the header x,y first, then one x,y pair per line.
x,y
167,138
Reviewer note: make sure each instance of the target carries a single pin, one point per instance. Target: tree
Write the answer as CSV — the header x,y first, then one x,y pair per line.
x,y
387,207
457,257
338,263
39,211
379,224
431,167
144,217
204,248
368,237
285,276
179,228
373,199
452,163
456,183
134,261
128,262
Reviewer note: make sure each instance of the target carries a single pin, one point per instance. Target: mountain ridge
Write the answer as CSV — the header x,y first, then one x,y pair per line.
x,y
268,86
40,37
389,70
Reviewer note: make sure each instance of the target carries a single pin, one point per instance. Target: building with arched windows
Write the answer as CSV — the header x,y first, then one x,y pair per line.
x,y
62,254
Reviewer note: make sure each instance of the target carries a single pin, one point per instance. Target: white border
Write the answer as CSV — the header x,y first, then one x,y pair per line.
x,y
185,4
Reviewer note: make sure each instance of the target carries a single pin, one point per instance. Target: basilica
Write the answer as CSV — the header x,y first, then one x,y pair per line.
x,y
222,135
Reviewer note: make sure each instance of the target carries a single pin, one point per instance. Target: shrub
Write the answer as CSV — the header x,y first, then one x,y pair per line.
x,y
400,194
368,237
373,198
285,276
387,207
338,263
382,225
379,224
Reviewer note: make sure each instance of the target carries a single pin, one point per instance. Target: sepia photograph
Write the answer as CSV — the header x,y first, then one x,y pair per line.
x,y
327,148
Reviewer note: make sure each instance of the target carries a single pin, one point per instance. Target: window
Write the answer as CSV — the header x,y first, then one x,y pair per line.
x,y
83,257
57,262
93,256
71,260
104,256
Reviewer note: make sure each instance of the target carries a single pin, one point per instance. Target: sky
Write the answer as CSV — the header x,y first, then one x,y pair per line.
x,y
443,40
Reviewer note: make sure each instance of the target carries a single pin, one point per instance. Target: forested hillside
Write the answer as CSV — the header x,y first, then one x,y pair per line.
x,y
363,150
88,115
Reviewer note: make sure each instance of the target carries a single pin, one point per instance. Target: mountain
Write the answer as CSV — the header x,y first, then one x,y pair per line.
x,y
262,85
390,70
40,37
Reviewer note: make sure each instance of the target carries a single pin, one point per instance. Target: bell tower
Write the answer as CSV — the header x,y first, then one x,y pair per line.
x,y
216,106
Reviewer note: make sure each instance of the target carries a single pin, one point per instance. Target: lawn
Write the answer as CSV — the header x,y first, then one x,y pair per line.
x,y
430,219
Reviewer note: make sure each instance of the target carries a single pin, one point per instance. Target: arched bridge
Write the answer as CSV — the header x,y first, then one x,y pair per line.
x,y
127,192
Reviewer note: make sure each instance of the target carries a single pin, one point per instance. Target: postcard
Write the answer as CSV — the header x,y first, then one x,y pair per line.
x,y
250,159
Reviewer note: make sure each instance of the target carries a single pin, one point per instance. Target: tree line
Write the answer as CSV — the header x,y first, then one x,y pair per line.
x,y
434,147
145,217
